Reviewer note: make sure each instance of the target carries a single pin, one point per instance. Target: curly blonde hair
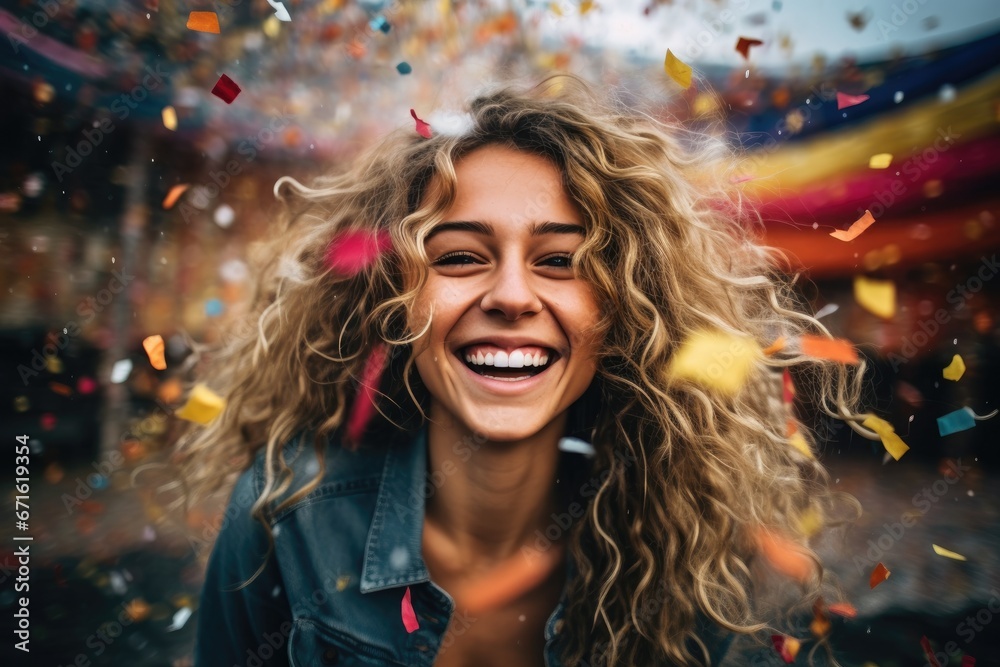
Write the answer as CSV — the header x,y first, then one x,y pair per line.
x,y
670,250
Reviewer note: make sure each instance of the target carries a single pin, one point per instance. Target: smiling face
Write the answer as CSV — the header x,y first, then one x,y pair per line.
x,y
511,345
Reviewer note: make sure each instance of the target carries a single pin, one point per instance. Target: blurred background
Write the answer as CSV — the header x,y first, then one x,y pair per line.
x,y
129,193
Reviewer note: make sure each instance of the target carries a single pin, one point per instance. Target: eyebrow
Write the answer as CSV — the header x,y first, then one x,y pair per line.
x,y
486,229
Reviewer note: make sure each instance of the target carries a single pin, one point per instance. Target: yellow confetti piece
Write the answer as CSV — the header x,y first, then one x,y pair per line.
x,y
955,370
169,115
880,161
203,405
892,442
941,551
556,9
876,296
53,364
677,70
810,521
271,26
716,360
586,6
799,443
342,582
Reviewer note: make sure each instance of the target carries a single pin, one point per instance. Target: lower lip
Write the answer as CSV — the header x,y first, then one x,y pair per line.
x,y
509,386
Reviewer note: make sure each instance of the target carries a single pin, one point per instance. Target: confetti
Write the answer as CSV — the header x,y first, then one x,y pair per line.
x,y
423,129
876,296
968,661
364,402
121,370
169,115
174,194
202,406
925,644
280,12
586,6
820,625
352,251
137,609
941,551
786,556
180,618
677,70
404,68
226,89
844,100
879,574
799,442
833,349
858,20
716,360
953,422
48,421
61,389
775,347
892,442
856,228
409,617
787,647
342,582
828,309
380,23
880,161
743,46
787,387
576,446
154,350
204,22
845,609
955,370
810,521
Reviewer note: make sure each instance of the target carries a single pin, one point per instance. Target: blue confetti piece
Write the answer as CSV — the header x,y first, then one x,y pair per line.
x,y
213,307
776,5
953,422
380,23
404,68
99,482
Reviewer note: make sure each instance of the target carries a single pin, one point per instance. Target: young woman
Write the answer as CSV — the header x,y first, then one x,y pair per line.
x,y
534,486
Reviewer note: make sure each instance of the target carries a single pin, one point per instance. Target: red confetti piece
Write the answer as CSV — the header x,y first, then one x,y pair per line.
x,y
858,226
203,22
226,89
879,574
352,252
929,652
423,129
787,388
845,609
48,421
844,100
364,403
834,349
968,661
86,385
787,647
743,45
409,617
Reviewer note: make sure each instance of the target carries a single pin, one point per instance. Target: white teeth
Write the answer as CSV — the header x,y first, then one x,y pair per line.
x,y
489,359
480,359
501,360
516,359
544,360
529,360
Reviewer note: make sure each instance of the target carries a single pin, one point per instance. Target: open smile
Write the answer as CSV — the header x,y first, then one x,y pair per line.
x,y
499,371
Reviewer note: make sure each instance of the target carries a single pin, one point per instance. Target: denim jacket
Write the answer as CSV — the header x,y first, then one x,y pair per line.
x,y
332,591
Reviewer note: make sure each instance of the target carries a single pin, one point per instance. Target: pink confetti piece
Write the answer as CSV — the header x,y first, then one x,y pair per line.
x,y
226,89
844,100
364,404
352,252
409,617
423,129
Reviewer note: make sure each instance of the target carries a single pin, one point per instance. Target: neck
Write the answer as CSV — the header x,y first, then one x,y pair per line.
x,y
489,497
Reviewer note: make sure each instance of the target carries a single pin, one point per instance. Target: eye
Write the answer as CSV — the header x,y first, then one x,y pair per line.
x,y
566,259
455,259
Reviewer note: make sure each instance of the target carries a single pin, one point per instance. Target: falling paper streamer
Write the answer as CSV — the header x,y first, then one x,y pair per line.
x,y
204,22
880,161
154,350
226,89
844,100
833,349
203,405
364,403
409,617
955,370
678,71
856,228
423,129
354,251
879,574
280,12
892,442
174,194
845,609
953,422
576,446
169,115
941,551
716,360
743,45
787,647
925,645
876,296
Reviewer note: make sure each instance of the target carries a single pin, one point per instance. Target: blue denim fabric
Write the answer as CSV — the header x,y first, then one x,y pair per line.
x,y
331,593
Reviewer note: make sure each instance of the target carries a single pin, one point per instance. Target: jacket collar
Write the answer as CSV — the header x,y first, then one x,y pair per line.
x,y
394,554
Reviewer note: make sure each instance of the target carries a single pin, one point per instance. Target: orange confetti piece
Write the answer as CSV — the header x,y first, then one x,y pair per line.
x,y
174,194
743,45
787,647
154,350
204,22
879,574
679,71
820,625
775,347
845,609
786,556
833,349
858,226
61,389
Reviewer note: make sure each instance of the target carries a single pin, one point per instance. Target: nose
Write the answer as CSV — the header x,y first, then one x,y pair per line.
x,y
512,291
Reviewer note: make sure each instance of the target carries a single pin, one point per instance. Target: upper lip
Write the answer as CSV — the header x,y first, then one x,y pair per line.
x,y
508,343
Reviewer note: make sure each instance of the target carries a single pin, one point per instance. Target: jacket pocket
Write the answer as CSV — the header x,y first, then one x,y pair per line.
x,y
315,645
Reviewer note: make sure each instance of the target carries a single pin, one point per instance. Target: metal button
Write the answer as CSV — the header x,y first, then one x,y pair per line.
x,y
330,656
557,628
